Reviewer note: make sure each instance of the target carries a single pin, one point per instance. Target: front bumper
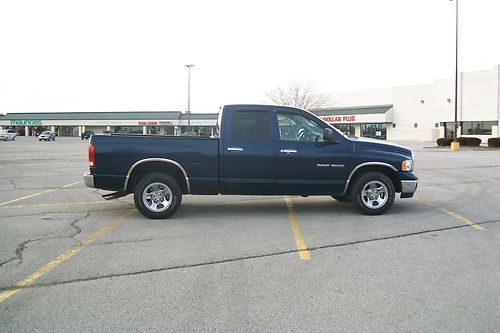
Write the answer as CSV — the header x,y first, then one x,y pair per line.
x,y
408,188
89,180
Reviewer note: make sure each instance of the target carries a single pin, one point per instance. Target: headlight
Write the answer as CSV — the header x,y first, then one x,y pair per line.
x,y
407,165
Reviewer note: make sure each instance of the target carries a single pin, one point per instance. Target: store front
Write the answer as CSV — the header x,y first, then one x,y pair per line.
x,y
365,121
76,123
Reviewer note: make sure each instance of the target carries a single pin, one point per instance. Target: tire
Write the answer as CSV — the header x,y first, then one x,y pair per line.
x,y
373,193
341,198
167,196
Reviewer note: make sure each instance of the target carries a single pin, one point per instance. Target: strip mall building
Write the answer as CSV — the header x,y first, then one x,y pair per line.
x,y
424,113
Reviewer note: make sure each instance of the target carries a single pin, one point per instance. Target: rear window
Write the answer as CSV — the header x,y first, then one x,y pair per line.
x,y
250,126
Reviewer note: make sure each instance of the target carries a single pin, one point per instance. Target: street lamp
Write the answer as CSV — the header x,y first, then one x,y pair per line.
x,y
189,98
455,145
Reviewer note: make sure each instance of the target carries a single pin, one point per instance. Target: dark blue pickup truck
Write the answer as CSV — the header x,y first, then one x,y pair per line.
x,y
258,150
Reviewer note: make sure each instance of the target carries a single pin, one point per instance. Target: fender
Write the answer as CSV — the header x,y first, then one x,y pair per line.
x,y
155,159
363,165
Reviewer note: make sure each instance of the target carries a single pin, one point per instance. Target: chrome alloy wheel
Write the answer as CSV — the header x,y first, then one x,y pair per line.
x,y
374,194
157,197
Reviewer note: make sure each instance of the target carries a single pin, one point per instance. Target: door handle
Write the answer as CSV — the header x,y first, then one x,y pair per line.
x,y
234,149
288,151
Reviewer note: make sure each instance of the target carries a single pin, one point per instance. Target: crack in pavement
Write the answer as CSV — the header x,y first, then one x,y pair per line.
x,y
22,246
104,209
230,260
123,241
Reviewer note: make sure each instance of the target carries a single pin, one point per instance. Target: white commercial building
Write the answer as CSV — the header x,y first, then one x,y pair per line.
x,y
424,112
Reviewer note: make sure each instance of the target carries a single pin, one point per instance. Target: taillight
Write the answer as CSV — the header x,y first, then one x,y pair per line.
x,y
91,156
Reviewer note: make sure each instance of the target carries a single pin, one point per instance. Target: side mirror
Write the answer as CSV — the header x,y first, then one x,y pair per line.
x,y
328,135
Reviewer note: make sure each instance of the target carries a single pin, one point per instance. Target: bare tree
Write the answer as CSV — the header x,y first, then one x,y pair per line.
x,y
301,95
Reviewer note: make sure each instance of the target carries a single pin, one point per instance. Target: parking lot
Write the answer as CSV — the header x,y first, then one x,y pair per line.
x,y
71,261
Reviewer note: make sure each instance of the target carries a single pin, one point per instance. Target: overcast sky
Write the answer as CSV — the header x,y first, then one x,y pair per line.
x,y
65,56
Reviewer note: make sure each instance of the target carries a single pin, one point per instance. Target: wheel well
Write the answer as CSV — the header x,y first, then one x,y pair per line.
x,y
163,167
393,176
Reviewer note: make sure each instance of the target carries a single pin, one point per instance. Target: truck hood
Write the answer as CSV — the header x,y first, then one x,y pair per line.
x,y
379,145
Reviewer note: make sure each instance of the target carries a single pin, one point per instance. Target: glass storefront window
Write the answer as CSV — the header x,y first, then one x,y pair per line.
x,y
448,130
346,128
477,127
375,131
470,127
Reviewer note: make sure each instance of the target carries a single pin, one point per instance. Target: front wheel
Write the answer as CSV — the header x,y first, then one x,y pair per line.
x,y
157,196
373,193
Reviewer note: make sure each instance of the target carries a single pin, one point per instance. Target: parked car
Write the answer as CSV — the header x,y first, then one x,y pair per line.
x,y
87,134
47,136
8,135
259,150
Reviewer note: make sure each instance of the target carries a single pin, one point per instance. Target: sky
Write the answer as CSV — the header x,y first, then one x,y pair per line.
x,y
106,55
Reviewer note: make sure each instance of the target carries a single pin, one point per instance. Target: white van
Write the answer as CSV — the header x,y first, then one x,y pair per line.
x,y
9,134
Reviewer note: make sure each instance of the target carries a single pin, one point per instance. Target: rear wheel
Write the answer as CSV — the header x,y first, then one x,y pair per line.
x,y
157,196
373,193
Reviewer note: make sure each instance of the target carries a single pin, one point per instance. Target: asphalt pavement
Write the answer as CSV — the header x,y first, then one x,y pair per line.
x,y
72,262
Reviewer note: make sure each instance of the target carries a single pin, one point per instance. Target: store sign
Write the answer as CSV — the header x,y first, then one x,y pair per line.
x,y
339,119
150,123
26,122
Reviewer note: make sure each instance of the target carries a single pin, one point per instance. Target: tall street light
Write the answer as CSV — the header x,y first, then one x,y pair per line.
x,y
455,145
189,98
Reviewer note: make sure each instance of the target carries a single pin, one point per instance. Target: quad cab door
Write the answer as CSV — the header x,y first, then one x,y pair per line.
x,y
305,162
247,151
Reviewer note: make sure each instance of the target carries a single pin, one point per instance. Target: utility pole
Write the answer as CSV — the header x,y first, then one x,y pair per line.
x,y
189,98
455,144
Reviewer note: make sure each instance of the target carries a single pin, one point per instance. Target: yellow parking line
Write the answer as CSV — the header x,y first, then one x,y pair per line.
x,y
458,217
62,258
36,194
65,186
299,238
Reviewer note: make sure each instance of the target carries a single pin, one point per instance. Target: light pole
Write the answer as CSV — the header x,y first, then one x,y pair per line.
x,y
455,145
189,98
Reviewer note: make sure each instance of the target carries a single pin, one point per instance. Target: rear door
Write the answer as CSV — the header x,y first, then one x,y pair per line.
x,y
247,151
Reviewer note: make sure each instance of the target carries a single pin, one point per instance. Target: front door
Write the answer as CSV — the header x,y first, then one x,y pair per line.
x,y
305,163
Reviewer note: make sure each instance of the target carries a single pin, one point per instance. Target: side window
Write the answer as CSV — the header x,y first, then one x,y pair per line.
x,y
250,126
294,127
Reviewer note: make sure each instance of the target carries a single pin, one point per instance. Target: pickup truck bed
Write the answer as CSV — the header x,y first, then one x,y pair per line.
x,y
196,157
